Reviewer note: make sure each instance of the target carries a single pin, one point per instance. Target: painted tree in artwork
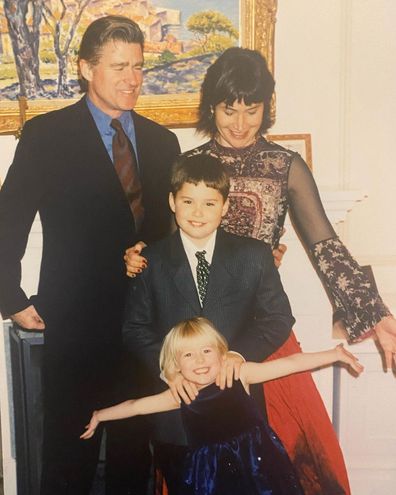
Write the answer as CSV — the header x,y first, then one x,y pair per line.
x,y
62,18
213,30
23,19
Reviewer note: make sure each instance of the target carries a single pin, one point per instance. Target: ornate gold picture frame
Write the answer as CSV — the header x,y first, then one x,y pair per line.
x,y
257,24
295,142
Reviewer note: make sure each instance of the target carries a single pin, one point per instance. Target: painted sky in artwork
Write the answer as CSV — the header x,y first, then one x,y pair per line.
x,y
230,8
172,65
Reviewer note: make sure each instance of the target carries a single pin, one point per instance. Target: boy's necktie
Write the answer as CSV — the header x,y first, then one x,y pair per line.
x,y
124,160
202,275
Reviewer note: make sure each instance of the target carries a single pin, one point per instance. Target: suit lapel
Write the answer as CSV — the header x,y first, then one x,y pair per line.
x,y
89,133
92,143
97,159
180,270
220,275
142,147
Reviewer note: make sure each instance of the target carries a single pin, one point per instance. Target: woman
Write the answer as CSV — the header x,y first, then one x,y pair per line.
x,y
266,182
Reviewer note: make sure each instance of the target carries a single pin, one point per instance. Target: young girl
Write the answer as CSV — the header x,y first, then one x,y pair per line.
x,y
233,450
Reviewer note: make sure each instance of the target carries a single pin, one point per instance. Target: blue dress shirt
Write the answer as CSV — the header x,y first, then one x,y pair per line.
x,y
103,121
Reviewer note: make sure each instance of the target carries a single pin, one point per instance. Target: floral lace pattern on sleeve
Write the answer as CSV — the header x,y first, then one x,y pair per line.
x,y
355,296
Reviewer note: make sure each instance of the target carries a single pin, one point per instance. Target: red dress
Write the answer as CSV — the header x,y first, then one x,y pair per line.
x,y
267,181
296,412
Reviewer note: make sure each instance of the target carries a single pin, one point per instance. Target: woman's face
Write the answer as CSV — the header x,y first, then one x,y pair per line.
x,y
238,124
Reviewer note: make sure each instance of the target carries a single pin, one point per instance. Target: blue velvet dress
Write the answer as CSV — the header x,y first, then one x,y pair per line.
x,y
233,450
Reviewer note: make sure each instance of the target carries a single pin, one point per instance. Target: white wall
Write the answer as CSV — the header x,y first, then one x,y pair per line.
x,y
336,78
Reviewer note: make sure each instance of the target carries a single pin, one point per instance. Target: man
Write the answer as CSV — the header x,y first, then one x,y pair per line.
x,y
66,168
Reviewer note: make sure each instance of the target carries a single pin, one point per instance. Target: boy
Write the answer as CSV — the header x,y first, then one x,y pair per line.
x,y
201,270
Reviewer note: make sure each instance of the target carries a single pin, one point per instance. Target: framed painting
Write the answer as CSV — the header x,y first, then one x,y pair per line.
x,y
295,142
39,44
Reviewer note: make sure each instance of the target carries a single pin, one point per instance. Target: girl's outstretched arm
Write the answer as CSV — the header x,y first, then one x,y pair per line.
x,y
262,372
146,405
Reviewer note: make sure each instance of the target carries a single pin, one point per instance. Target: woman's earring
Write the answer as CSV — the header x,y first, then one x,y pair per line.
x,y
212,112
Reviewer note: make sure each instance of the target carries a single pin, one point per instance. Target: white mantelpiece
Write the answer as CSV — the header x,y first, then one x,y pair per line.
x,y
339,203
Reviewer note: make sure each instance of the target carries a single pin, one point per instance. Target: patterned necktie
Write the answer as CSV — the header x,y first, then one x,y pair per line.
x,y
202,275
126,167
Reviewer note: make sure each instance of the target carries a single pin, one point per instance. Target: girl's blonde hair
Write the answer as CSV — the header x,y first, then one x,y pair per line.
x,y
182,332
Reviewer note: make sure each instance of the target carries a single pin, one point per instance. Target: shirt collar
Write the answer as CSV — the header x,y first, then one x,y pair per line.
x,y
190,248
103,120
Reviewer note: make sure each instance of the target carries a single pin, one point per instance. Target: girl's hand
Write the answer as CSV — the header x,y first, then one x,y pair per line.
x,y
91,427
134,262
348,358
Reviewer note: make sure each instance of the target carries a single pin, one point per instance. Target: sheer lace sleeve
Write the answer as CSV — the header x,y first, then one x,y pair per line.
x,y
354,296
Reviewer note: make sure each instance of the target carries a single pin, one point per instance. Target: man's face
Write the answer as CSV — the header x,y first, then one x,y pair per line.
x,y
198,210
114,83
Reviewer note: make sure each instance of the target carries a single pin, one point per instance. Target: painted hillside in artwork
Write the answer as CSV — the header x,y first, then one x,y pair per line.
x,y
39,42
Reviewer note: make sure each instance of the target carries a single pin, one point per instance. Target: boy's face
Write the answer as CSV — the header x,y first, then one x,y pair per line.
x,y
200,361
198,210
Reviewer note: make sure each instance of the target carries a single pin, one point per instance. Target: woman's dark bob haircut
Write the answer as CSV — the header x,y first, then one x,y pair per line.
x,y
241,75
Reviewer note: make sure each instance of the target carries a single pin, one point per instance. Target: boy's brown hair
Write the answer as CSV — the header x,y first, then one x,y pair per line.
x,y
200,168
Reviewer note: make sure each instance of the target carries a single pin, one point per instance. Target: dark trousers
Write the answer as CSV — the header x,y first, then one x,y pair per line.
x,y
127,467
74,385
170,459
128,457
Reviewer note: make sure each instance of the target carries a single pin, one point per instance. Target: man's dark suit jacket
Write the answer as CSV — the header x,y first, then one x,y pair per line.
x,y
245,300
62,170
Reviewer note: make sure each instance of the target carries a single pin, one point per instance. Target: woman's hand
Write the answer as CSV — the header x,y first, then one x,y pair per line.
x,y
278,253
385,332
230,370
182,389
348,358
134,262
91,427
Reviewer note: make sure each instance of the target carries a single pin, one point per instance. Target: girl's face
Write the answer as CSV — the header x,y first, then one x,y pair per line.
x,y
200,361
238,124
